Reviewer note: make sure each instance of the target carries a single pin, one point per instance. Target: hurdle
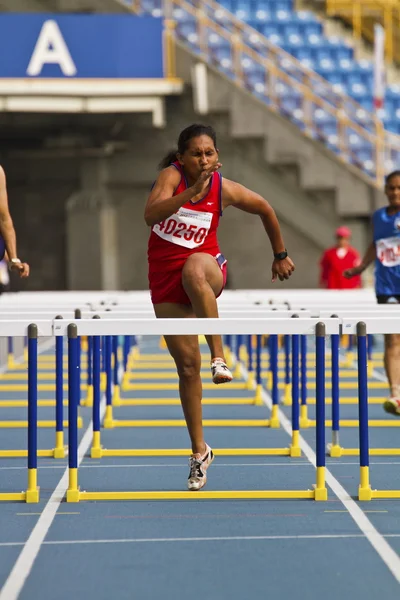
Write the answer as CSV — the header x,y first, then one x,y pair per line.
x,y
31,495
59,449
365,493
97,451
191,327
235,355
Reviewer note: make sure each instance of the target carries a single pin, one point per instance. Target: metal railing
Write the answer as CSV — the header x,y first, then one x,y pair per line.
x,y
281,76
362,14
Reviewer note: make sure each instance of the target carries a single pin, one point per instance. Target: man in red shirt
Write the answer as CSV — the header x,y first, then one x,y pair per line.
x,y
336,260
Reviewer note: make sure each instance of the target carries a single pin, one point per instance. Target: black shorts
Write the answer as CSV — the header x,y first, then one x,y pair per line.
x,y
393,299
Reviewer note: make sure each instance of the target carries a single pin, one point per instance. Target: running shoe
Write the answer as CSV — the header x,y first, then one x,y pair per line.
x,y
392,405
220,372
198,469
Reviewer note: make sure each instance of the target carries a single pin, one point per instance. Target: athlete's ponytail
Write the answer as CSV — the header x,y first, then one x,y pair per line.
x,y
168,159
185,136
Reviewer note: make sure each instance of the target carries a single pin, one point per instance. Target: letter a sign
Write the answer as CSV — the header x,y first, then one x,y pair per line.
x,y
51,49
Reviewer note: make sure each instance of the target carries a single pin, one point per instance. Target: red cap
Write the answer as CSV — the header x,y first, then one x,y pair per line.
x,y
343,232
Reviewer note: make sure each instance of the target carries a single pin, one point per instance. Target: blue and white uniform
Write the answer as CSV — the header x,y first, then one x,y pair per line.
x,y
386,230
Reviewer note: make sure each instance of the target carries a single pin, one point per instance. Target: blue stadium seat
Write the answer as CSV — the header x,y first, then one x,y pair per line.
x,y
153,7
182,15
228,4
243,11
357,90
293,41
309,63
326,66
323,118
306,17
276,39
355,141
366,102
311,28
269,29
251,66
222,15
261,15
393,126
333,76
216,41
188,31
303,53
283,15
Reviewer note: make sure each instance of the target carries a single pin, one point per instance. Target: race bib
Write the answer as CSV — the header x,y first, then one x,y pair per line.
x,y
388,251
188,228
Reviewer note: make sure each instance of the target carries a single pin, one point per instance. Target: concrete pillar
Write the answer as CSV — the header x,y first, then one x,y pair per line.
x,y
92,234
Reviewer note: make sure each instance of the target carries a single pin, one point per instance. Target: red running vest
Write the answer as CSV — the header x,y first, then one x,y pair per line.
x,y
193,228
332,267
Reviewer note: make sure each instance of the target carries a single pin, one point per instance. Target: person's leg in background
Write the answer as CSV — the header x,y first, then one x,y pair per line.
x,y
392,367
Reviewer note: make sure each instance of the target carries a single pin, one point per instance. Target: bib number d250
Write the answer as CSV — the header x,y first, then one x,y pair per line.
x,y
188,228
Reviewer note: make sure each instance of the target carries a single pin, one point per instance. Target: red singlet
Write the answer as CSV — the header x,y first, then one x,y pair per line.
x,y
193,228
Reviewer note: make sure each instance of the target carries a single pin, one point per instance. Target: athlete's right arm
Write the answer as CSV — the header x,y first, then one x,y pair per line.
x,y
368,258
161,203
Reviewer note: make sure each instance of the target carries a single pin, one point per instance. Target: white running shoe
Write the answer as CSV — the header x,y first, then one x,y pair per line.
x,y
198,469
392,405
220,371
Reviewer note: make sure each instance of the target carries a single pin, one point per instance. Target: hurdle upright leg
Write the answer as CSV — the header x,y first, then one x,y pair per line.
x,y
287,396
364,490
116,394
273,349
59,450
250,371
334,448
89,391
295,449
126,351
96,450
32,492
73,397
303,380
321,493
258,396
10,353
108,419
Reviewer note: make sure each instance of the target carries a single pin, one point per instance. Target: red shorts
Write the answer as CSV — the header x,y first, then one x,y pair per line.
x,y
166,286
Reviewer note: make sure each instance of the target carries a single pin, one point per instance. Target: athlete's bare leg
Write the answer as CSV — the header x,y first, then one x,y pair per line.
x,y
392,363
202,280
185,351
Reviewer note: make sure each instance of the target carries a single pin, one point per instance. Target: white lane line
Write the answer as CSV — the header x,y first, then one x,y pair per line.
x,y
385,551
322,536
161,464
215,466
23,566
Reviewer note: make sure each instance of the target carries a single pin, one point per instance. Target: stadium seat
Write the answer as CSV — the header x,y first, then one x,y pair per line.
x,y
301,34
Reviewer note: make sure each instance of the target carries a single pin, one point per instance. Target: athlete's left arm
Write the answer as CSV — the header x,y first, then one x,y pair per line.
x,y
234,194
7,229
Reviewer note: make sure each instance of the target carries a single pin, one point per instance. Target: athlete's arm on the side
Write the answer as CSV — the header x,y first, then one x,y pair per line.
x,y
367,259
234,194
161,203
7,228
